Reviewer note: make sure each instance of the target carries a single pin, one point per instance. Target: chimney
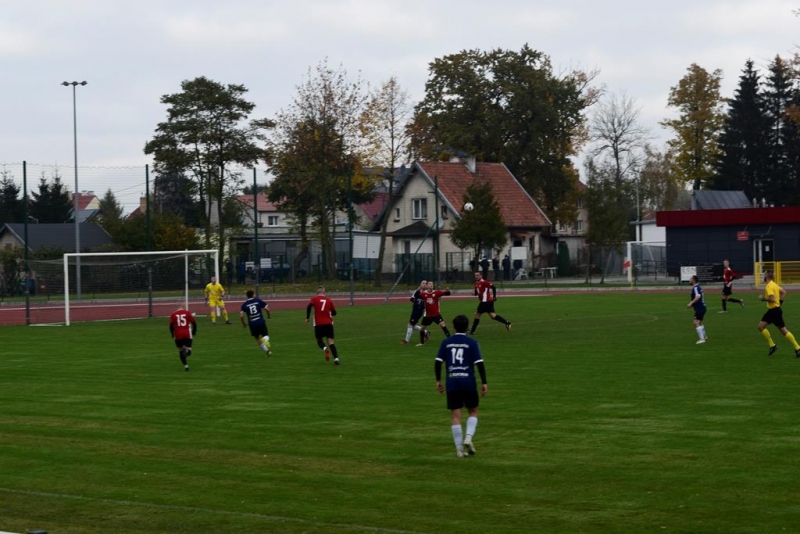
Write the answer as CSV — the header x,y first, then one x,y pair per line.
x,y
468,161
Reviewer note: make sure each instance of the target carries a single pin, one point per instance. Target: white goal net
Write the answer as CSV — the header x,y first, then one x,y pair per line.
x,y
130,285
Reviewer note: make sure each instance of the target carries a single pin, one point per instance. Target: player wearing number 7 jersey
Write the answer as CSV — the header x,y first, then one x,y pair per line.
x,y
183,327
324,310
460,354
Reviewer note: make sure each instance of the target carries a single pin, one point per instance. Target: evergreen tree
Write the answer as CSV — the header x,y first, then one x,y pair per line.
x,y
742,161
51,204
782,135
482,228
12,206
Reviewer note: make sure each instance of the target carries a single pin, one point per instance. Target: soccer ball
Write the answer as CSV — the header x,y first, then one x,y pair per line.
x,y
468,206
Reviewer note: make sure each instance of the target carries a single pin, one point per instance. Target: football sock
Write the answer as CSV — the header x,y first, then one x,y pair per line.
x,y
263,346
737,301
224,314
500,319
182,354
703,331
446,332
409,330
320,344
335,352
792,340
474,325
422,336
472,424
768,337
724,305
458,437
417,327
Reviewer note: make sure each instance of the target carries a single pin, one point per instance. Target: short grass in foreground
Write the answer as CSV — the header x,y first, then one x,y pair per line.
x,y
602,416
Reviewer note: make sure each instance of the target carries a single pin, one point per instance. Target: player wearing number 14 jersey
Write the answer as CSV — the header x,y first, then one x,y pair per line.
x,y
460,355
324,310
183,327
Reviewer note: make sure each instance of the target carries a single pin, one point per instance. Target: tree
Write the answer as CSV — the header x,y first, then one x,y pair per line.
x,y
51,204
168,232
660,188
174,192
741,164
482,228
509,107
316,155
698,125
12,206
782,134
617,134
610,227
384,126
205,133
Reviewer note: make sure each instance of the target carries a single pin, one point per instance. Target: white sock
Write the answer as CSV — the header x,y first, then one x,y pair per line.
x,y
417,327
263,347
458,438
472,424
408,333
703,329
700,333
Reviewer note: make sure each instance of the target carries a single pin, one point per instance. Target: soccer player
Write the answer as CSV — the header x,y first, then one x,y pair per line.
x,y
728,276
417,310
699,304
460,355
487,294
433,315
253,308
183,328
214,293
324,310
773,296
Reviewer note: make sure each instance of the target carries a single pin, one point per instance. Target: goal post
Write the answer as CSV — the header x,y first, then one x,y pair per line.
x,y
127,285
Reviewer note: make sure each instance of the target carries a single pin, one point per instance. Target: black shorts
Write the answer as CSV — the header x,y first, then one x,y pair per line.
x,y
436,319
258,330
324,331
727,291
462,398
183,342
415,317
698,315
486,307
774,316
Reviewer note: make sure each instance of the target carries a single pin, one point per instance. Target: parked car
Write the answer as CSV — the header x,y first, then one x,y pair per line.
x,y
281,271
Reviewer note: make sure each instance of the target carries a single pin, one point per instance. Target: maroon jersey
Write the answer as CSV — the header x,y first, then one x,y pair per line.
x,y
432,302
483,288
181,324
324,310
728,276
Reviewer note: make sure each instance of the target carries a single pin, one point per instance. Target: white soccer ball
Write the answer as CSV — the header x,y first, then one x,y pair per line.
x,y
468,206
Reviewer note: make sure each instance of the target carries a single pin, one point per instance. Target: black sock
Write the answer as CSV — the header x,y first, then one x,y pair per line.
x,y
335,352
500,319
737,301
422,336
446,332
182,354
320,344
474,325
724,305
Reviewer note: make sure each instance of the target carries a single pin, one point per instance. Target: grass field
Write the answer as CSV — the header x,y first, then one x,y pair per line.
x,y
602,416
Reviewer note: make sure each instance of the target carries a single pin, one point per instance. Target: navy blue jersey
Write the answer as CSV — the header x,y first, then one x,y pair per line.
x,y
700,305
418,301
252,307
459,354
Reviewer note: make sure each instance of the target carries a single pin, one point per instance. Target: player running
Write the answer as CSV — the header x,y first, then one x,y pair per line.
x,y
417,311
460,355
487,294
324,310
183,327
254,309
728,276
773,296
433,314
699,304
214,294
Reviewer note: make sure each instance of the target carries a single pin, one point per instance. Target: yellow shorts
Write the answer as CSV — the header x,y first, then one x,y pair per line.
x,y
214,303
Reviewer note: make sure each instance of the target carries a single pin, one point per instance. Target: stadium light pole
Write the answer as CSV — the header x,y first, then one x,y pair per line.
x,y
77,194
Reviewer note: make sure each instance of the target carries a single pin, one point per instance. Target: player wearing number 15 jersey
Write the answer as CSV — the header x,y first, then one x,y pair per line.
x,y
324,310
460,355
183,327
254,308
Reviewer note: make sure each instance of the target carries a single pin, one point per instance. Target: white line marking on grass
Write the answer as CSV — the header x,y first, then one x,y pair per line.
x,y
194,509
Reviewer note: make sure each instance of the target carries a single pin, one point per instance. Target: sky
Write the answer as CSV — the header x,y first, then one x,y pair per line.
x,y
132,53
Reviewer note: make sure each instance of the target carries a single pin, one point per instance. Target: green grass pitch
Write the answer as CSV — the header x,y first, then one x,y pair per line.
x,y
602,416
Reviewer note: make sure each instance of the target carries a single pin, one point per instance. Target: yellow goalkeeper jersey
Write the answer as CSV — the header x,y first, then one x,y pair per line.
x,y
214,291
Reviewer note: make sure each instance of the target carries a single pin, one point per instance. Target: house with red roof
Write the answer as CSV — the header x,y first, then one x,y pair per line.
x,y
433,185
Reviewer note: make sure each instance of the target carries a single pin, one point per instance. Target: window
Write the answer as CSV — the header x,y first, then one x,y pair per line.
x,y
419,208
444,212
580,203
272,220
562,227
397,214
578,225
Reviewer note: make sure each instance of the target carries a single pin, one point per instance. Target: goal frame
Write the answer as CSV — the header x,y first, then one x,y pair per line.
x,y
214,253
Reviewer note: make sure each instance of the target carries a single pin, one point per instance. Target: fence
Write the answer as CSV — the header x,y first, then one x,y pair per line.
x,y
784,272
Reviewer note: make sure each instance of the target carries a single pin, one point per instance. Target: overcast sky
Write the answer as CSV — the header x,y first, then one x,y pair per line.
x,y
132,53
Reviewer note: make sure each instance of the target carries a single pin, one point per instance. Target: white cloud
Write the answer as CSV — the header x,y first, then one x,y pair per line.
x,y
19,44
